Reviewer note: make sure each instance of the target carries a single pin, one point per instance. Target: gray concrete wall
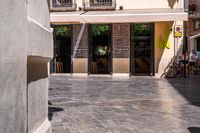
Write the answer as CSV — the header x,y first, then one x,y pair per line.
x,y
38,9
37,95
40,50
26,46
13,83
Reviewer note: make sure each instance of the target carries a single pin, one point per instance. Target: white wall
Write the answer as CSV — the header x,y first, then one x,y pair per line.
x,y
142,4
192,44
13,60
40,50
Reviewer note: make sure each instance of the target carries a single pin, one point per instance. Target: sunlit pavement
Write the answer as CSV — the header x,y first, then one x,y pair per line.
x,y
124,105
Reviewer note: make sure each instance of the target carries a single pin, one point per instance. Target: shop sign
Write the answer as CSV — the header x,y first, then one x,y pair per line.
x,y
178,31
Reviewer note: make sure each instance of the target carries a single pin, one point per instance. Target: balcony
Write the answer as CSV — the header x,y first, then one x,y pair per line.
x,y
63,5
89,5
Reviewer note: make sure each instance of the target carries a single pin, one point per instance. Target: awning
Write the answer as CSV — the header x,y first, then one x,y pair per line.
x,y
65,17
194,36
122,16
128,16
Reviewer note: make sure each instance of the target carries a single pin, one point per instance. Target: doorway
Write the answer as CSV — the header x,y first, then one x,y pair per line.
x,y
198,44
100,51
62,35
142,49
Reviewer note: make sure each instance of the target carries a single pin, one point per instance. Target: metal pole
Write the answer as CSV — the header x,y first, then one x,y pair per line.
x,y
174,46
186,2
184,47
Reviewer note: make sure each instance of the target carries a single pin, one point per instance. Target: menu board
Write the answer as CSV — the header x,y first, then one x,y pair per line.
x,y
81,53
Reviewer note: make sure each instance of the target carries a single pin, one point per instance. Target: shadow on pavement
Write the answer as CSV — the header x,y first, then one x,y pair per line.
x,y
196,104
188,88
52,110
194,129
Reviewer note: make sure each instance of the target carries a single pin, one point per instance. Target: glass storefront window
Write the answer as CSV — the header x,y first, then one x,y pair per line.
x,y
197,24
142,49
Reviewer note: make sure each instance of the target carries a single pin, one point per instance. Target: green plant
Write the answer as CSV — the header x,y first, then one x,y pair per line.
x,y
62,31
141,29
100,30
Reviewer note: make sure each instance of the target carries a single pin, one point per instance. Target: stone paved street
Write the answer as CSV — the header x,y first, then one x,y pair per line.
x,y
124,105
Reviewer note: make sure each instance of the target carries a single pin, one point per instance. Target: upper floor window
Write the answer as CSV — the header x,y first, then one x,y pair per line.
x,y
197,24
67,3
63,5
99,4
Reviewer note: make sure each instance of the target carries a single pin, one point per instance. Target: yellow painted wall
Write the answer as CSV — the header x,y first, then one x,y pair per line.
x,y
164,54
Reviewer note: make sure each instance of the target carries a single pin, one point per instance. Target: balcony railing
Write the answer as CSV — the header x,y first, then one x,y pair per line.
x,y
99,4
63,5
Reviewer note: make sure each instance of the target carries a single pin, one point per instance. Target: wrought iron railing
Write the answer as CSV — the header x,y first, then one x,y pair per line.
x,y
99,3
63,3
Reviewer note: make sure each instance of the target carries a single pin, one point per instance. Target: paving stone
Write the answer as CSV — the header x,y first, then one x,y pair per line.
x,y
124,105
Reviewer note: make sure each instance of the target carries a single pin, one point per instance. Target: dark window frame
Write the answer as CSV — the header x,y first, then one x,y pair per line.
x,y
132,56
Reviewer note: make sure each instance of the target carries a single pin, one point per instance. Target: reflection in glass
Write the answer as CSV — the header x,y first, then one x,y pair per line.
x,y
141,37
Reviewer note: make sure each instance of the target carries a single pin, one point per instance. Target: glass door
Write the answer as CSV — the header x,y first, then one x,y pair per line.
x,y
62,35
100,49
142,62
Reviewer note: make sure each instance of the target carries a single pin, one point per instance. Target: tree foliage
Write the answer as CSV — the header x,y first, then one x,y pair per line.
x,y
62,31
100,30
141,29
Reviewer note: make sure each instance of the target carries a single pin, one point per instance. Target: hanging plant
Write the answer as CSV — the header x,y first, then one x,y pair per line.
x,y
100,30
62,31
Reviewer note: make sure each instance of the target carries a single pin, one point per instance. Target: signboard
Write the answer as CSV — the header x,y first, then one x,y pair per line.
x,y
121,52
178,31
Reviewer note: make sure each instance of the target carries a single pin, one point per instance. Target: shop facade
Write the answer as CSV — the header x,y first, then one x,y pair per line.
x,y
125,41
194,25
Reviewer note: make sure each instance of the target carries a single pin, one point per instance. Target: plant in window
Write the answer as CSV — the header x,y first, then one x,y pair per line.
x,y
62,31
98,30
141,29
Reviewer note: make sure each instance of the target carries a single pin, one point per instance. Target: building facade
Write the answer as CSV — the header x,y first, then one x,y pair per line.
x,y
115,36
194,25
26,47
